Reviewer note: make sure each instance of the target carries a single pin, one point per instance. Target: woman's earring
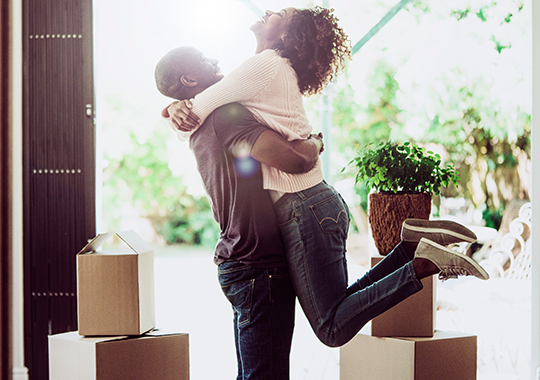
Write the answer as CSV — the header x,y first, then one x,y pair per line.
x,y
283,38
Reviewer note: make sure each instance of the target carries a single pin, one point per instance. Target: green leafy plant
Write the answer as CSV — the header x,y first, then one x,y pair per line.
x,y
405,168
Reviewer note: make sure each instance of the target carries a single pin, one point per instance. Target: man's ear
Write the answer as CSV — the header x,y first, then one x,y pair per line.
x,y
188,81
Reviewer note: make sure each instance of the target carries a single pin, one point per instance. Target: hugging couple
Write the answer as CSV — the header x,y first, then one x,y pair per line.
x,y
283,228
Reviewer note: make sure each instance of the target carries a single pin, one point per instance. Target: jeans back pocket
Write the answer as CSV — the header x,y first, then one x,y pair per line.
x,y
240,295
332,215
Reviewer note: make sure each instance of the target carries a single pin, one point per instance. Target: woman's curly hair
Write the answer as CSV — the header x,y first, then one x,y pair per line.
x,y
316,47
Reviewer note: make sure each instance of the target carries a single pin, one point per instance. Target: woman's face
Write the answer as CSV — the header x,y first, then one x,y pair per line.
x,y
272,25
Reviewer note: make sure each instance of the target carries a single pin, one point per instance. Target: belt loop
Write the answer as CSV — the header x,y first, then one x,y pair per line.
x,y
301,195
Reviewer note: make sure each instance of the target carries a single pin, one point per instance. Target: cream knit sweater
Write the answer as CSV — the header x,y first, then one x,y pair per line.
x,y
267,86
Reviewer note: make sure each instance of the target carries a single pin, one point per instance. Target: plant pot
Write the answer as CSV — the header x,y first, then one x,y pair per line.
x,y
387,211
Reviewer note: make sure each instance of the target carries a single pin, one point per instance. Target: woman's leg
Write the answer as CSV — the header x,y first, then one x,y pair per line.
x,y
314,224
390,263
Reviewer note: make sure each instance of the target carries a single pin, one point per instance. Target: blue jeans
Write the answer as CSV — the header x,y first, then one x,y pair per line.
x,y
314,224
263,303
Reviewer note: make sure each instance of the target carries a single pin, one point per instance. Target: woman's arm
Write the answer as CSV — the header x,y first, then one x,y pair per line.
x,y
241,85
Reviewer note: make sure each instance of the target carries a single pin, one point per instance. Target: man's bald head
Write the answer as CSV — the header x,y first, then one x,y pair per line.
x,y
184,72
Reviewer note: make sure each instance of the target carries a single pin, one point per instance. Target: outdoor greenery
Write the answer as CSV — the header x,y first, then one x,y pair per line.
x,y
139,183
403,168
468,101
451,78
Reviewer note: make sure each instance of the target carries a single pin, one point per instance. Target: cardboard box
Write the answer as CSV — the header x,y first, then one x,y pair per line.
x,y
445,356
156,355
115,289
413,317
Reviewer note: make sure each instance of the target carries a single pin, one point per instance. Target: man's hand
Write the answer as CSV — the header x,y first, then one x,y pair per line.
x,y
318,140
181,115
298,156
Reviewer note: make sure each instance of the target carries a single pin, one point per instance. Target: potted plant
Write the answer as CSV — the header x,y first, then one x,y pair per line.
x,y
402,178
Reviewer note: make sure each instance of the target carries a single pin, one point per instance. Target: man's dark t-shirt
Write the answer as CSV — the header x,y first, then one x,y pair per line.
x,y
233,181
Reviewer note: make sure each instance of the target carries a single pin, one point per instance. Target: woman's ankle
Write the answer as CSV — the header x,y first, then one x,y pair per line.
x,y
424,268
410,248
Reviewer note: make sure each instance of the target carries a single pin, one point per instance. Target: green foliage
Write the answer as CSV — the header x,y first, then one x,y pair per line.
x,y
403,168
480,14
500,12
492,218
476,111
141,183
460,14
499,46
358,124
190,221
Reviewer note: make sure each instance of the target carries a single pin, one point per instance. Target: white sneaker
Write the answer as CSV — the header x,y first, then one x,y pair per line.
x,y
451,263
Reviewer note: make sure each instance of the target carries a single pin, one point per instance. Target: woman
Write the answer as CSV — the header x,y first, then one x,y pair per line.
x,y
271,83
298,53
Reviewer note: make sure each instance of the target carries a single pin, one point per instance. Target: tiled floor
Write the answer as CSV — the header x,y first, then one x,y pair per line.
x,y
188,299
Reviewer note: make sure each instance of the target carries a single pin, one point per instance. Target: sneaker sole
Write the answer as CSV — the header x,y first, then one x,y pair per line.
x,y
446,227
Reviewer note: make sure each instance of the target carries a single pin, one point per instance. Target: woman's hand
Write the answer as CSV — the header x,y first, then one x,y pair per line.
x,y
181,115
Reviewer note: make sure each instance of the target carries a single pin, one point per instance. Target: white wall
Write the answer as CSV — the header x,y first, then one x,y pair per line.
x,y
535,339
20,372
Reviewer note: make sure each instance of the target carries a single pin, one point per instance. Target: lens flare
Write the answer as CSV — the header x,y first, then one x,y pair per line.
x,y
246,166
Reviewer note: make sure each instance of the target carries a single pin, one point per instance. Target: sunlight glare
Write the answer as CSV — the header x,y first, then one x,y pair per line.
x,y
212,19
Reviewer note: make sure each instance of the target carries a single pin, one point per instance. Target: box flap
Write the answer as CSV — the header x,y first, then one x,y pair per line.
x,y
163,332
439,335
134,241
130,237
74,336
95,243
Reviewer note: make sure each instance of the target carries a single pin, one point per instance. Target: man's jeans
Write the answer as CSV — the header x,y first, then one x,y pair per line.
x,y
314,224
263,302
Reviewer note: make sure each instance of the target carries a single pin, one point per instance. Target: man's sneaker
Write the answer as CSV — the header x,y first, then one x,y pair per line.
x,y
444,232
451,263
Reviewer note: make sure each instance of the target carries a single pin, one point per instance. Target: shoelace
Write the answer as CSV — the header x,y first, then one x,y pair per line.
x,y
453,272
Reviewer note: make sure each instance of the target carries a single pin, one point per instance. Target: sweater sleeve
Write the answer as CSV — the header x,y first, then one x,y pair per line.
x,y
241,85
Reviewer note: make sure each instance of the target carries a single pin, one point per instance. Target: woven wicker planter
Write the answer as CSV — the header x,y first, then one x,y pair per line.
x,y
387,211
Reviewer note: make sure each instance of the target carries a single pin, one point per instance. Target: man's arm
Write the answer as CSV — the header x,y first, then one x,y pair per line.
x,y
294,157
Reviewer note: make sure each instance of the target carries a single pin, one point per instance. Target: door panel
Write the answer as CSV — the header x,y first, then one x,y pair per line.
x,y
59,166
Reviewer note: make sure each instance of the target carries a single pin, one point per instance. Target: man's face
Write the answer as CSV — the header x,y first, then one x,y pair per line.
x,y
205,70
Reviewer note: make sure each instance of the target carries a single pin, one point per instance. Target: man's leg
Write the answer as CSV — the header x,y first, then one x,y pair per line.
x,y
263,304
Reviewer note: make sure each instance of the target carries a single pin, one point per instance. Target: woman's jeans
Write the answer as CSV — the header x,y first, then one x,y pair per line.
x,y
263,302
314,224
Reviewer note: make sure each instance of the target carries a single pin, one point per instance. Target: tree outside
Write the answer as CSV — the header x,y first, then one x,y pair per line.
x,y
455,77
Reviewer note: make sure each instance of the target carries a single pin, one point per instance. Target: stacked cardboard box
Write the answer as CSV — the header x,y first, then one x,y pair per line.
x,y
116,316
115,288
156,355
403,344
414,317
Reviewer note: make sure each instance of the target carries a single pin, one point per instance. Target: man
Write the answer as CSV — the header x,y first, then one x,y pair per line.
x,y
250,255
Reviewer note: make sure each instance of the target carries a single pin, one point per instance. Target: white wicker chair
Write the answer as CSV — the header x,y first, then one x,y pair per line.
x,y
510,257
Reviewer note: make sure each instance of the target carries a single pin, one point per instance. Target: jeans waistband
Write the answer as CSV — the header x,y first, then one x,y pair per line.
x,y
304,194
